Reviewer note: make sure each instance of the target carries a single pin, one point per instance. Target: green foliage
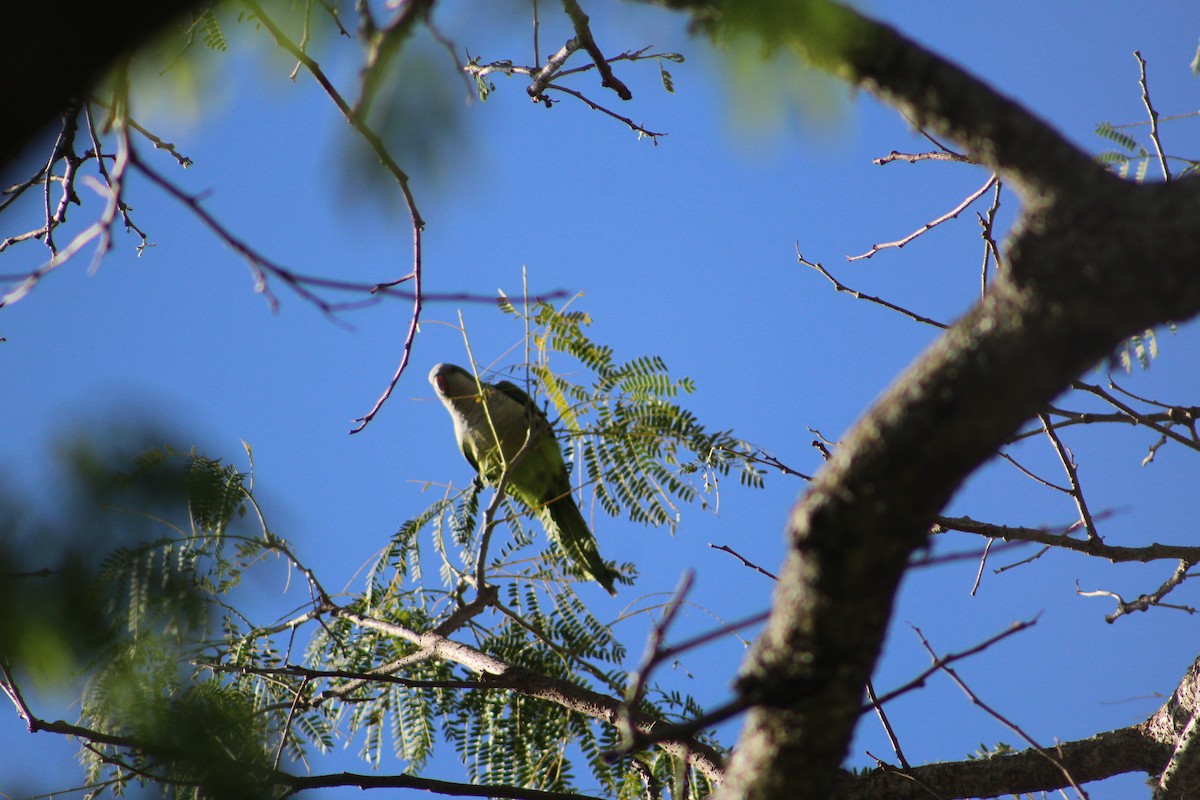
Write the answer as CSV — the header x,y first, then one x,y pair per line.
x,y
984,752
483,85
1131,157
638,450
195,739
1132,162
214,39
134,620
1142,348
1105,130
184,689
667,81
640,454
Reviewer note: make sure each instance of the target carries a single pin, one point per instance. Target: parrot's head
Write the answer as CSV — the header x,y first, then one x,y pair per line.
x,y
452,381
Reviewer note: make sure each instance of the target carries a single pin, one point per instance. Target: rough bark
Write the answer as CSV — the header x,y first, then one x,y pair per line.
x,y
1175,728
1091,261
1112,753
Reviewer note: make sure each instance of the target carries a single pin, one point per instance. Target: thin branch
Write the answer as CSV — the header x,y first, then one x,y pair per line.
x,y
970,555
761,456
533,684
839,286
1146,601
887,726
99,153
1015,728
745,561
98,231
1140,419
944,661
1181,415
583,34
1033,476
296,671
928,226
654,655
1162,159
637,128
1059,538
987,548
991,250
385,158
537,25
1076,490
8,685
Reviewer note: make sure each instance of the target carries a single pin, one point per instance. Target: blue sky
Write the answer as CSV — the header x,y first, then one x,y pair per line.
x,y
685,250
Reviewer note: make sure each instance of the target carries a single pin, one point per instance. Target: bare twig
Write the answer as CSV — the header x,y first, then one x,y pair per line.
x,y
928,226
1158,148
306,674
1146,601
991,250
747,562
402,181
98,231
1148,421
562,692
634,739
839,286
1060,538
887,726
1160,422
1017,729
987,548
1049,484
634,126
654,654
944,661
537,25
583,34
299,783
99,153
1076,490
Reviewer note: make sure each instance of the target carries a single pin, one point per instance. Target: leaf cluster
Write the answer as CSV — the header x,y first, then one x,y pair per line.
x,y
184,689
639,451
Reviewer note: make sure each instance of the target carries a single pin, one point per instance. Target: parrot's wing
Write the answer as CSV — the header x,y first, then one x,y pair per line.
x,y
462,445
514,392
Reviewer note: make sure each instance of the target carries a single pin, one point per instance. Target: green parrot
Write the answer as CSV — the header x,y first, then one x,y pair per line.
x,y
539,478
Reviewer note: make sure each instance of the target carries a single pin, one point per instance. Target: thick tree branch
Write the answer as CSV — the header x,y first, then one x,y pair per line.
x,y
1091,547
1103,756
570,696
300,783
1174,726
1163,745
1073,290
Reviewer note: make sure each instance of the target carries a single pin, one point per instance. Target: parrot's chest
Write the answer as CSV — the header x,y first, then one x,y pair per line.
x,y
507,438
491,451
493,438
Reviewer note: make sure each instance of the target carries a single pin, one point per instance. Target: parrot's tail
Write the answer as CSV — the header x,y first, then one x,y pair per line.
x,y
566,526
